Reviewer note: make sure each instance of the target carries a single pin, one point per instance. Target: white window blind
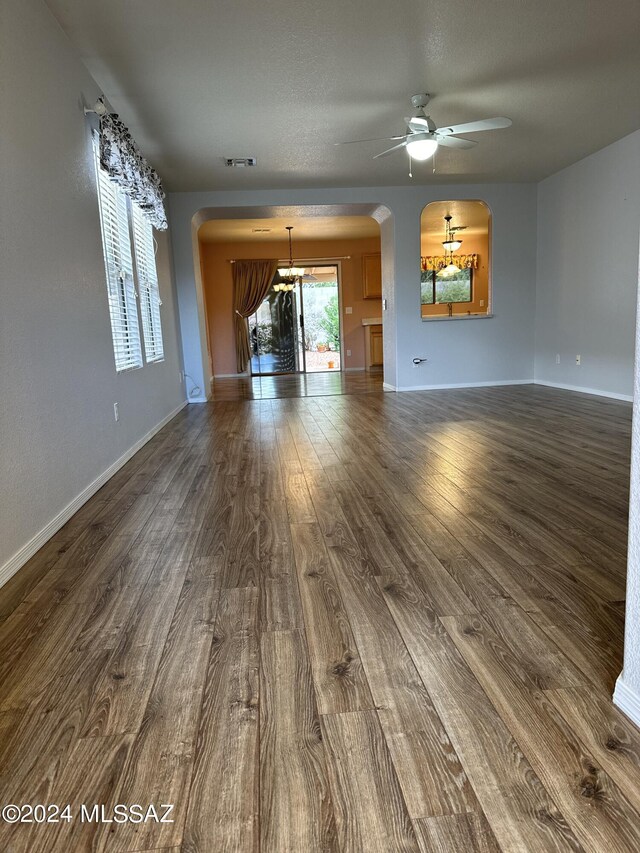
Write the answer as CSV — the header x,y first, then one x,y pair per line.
x,y
116,244
143,245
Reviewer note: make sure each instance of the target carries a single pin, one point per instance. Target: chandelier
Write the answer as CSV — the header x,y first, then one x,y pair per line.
x,y
290,275
450,245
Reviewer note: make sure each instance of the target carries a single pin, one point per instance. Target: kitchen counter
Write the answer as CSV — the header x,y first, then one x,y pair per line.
x,y
437,318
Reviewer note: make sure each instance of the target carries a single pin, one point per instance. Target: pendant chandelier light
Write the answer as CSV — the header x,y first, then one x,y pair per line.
x,y
289,275
450,245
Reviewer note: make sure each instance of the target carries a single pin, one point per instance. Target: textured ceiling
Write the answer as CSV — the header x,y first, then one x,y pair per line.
x,y
310,228
473,215
198,81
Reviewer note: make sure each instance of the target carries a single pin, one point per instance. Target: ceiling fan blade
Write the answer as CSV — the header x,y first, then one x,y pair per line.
x,y
421,123
378,139
476,126
454,142
403,144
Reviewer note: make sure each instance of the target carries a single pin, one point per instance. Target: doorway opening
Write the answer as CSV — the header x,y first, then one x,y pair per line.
x,y
297,329
323,327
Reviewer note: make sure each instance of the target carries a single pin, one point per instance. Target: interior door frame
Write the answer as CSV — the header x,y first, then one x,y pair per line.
x,y
300,331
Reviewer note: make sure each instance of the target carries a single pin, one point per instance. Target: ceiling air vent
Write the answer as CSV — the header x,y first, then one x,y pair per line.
x,y
240,162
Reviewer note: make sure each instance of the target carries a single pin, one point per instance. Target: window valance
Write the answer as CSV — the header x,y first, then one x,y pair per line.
x,y
439,262
122,160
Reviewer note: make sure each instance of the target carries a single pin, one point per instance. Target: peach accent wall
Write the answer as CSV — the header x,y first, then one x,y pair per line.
x,y
432,245
218,287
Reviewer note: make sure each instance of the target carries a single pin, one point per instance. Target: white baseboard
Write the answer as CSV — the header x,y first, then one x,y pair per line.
x,y
627,700
36,542
197,400
462,385
231,375
582,390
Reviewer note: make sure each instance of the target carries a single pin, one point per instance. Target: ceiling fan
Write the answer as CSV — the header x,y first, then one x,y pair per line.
x,y
424,137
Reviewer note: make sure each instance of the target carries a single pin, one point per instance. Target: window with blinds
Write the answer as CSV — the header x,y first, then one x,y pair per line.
x,y
144,251
116,244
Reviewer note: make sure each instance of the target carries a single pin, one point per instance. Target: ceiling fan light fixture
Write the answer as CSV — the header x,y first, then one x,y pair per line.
x,y
452,245
422,146
423,135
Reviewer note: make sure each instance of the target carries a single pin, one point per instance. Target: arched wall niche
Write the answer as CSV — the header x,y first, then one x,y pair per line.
x,y
455,280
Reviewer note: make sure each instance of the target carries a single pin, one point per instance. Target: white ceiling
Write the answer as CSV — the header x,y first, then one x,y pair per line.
x,y
304,228
197,81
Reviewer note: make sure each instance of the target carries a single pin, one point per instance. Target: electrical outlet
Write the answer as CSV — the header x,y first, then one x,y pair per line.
x,y
557,358
348,353
348,310
116,411
578,360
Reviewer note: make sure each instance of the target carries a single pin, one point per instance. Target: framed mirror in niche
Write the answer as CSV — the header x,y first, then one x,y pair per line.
x,y
455,260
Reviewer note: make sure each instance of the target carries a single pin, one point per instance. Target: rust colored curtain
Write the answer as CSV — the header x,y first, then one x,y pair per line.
x,y
251,283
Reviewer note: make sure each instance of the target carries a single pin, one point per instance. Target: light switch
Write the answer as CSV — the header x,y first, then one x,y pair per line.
x,y
348,310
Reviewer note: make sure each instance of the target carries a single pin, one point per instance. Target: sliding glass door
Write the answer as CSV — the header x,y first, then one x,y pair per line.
x,y
298,330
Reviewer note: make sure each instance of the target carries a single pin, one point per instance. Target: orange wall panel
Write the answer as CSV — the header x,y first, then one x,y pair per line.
x,y
218,287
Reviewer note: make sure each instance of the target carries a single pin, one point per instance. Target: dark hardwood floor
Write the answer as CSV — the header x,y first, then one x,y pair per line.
x,y
361,623
321,384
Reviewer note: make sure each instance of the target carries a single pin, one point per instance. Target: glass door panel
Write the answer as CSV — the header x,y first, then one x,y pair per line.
x,y
273,335
321,319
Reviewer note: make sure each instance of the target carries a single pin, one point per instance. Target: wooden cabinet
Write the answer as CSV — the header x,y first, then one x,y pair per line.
x,y
373,346
376,346
371,277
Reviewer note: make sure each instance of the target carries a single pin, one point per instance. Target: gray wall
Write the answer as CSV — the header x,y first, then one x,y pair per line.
x,y
460,352
627,693
58,382
588,226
